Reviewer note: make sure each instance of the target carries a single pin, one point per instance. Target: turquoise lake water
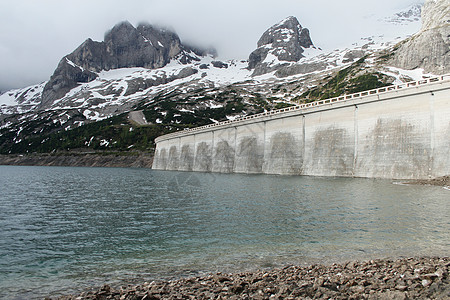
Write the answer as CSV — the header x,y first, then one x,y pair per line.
x,y
64,230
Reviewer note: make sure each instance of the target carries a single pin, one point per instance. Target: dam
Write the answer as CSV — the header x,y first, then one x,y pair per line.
x,y
397,132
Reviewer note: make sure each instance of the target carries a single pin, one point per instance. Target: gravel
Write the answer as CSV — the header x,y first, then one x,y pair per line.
x,y
405,278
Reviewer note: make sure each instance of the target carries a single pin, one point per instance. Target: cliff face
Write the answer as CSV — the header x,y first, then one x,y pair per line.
x,y
430,47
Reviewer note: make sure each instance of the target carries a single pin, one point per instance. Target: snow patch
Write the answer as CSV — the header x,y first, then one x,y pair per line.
x,y
147,40
286,33
73,64
8,99
90,141
232,118
186,110
271,59
118,74
311,52
400,74
93,115
213,105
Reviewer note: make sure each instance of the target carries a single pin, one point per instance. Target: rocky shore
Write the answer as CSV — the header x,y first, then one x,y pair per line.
x,y
406,278
440,181
69,159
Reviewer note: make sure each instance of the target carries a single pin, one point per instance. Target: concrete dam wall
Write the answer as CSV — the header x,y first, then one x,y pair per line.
x,y
400,132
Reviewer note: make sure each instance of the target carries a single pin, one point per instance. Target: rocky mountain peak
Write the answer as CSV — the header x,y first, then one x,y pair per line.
x,y
286,33
124,46
428,49
410,14
283,42
124,26
121,35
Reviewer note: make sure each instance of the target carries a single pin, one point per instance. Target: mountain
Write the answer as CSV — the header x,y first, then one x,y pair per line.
x,y
283,42
428,49
124,47
90,100
409,15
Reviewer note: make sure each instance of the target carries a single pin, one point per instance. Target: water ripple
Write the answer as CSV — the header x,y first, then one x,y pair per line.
x,y
65,228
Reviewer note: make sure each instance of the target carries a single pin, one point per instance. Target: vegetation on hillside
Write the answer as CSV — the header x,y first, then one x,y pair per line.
x,y
353,79
113,134
165,113
202,107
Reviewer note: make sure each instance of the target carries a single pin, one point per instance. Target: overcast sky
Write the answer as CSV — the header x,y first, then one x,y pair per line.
x,y
36,34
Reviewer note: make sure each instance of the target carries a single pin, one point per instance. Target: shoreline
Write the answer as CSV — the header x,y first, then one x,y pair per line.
x,y
443,181
137,160
403,278
81,159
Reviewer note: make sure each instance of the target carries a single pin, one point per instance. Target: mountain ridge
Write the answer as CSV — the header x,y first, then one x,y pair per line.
x,y
200,91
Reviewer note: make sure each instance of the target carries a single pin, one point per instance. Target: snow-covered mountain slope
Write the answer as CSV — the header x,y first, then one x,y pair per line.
x,y
411,14
119,90
21,100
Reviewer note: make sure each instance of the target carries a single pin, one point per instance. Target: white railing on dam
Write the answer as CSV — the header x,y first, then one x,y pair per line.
x,y
319,103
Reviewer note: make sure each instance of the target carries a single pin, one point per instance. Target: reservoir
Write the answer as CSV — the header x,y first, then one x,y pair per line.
x,y
64,230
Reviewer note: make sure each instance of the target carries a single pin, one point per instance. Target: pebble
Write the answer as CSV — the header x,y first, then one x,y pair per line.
x,y
374,279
